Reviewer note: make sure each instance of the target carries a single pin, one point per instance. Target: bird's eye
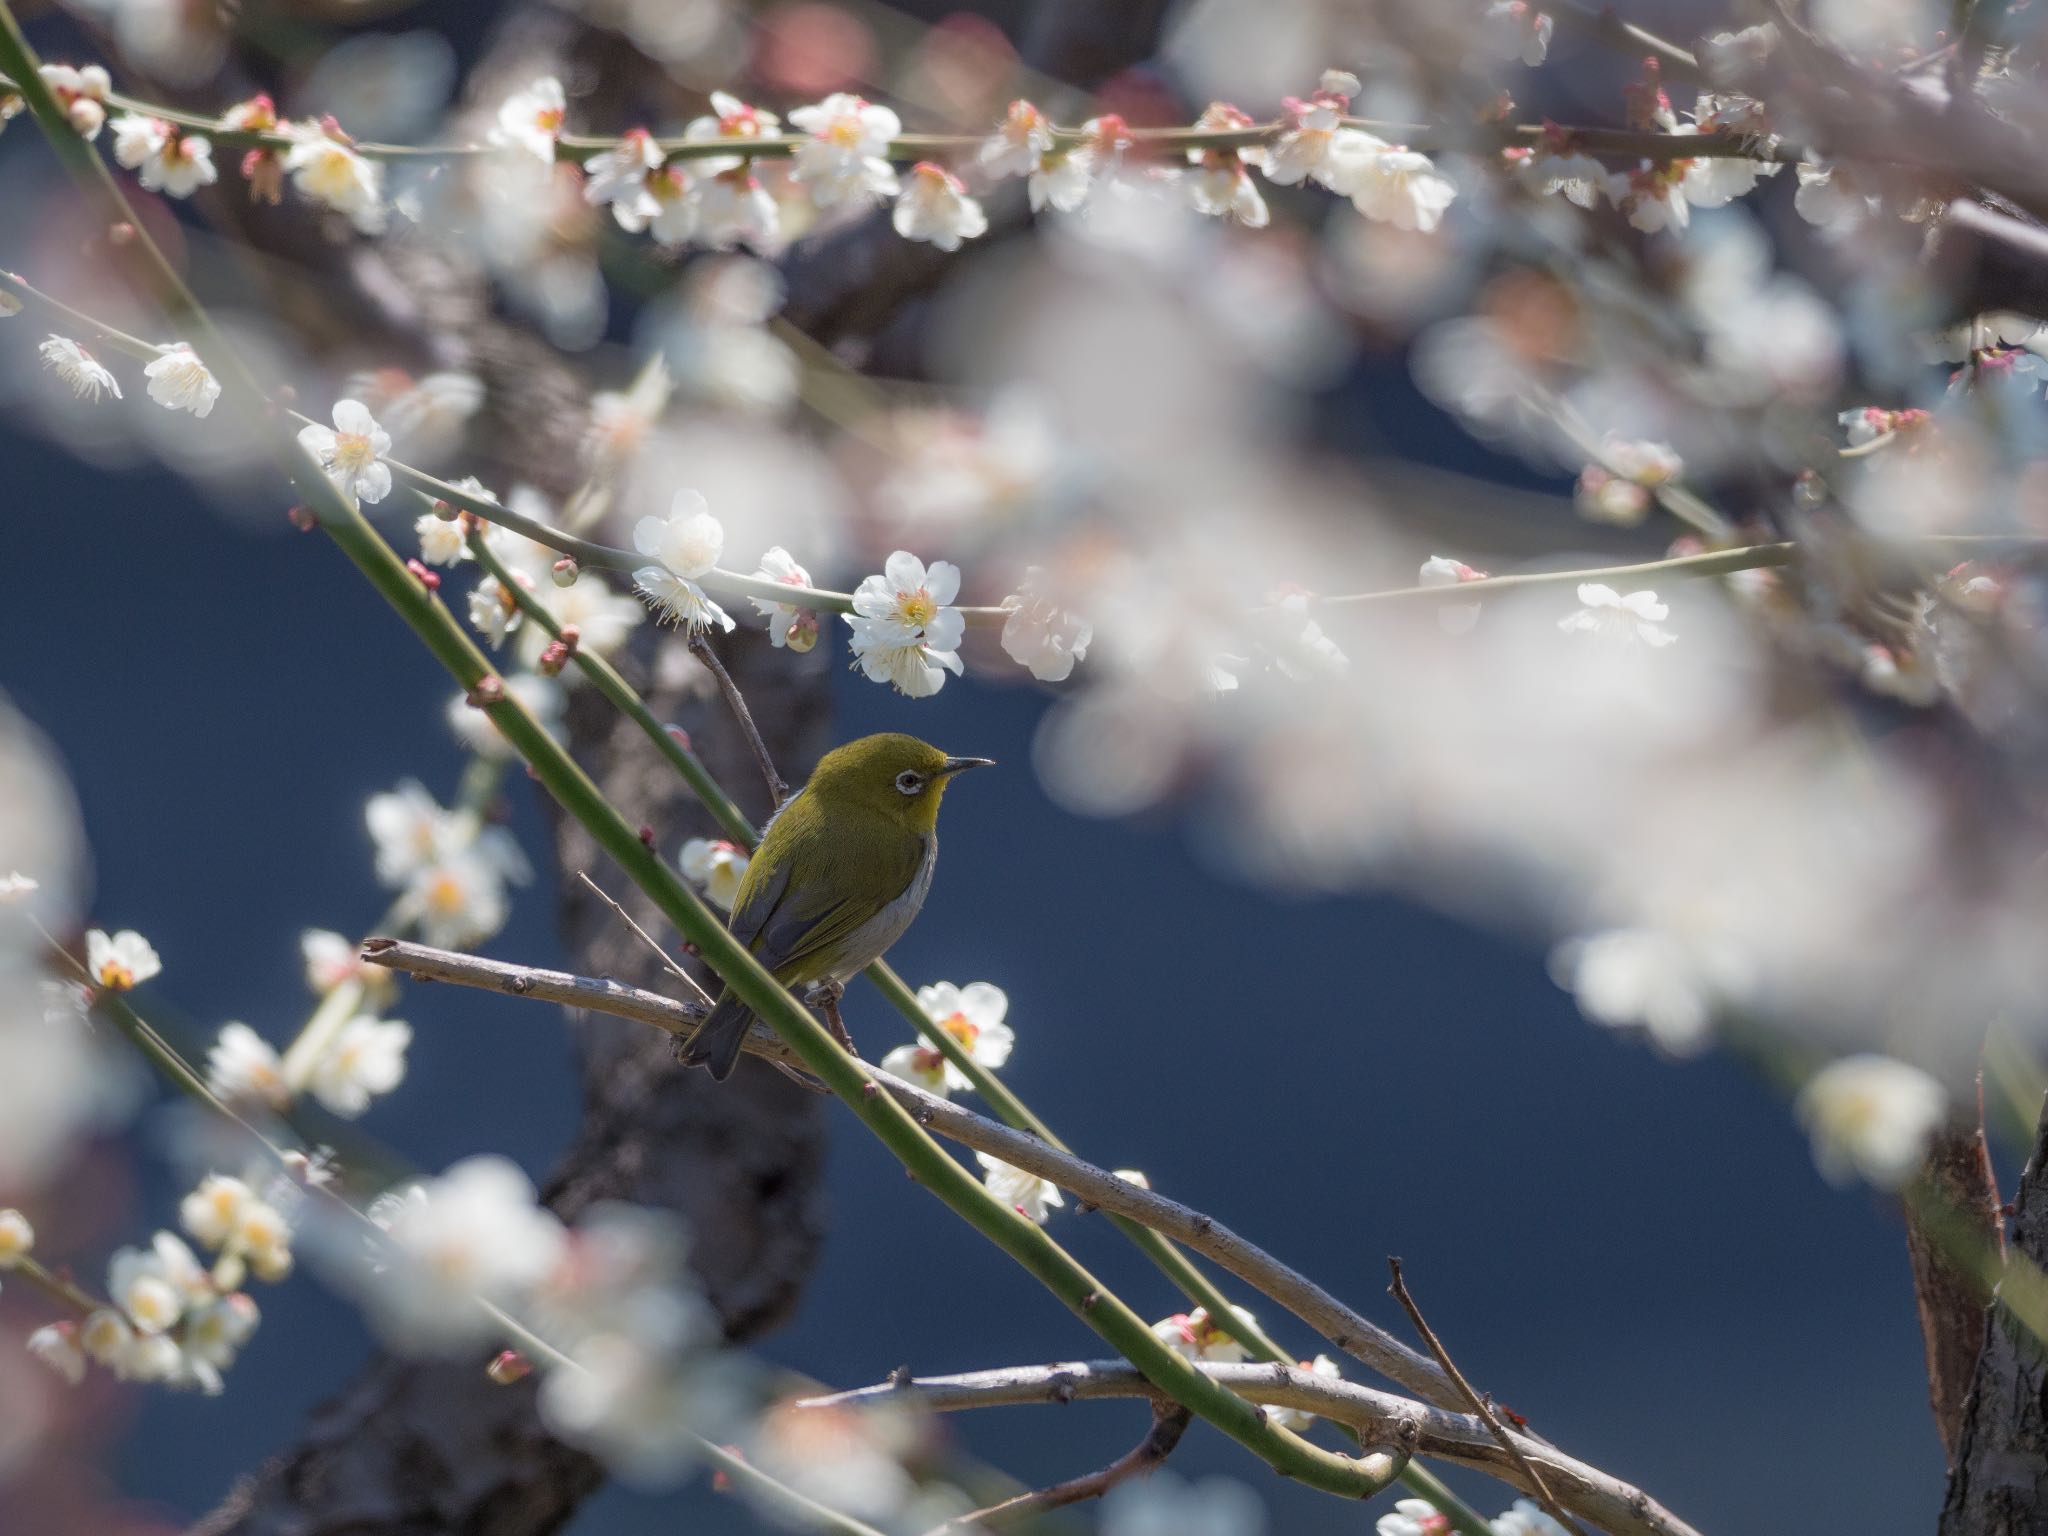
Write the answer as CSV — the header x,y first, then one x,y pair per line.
x,y
909,781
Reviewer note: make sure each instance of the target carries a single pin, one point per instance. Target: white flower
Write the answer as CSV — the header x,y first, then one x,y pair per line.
x,y
1299,153
475,1231
459,899
1826,198
1442,571
1526,1518
1165,1505
1220,182
409,828
1638,617
1062,180
494,611
716,865
78,368
123,961
730,118
1026,1193
17,1238
687,543
1609,498
532,119
1872,1116
56,1345
788,624
1019,145
367,1057
1041,636
325,169
541,697
210,1212
211,1338
618,177
179,381
934,206
351,452
165,160
1386,182
734,209
1299,1419
1520,31
619,419
1653,197
242,1067
82,93
1635,977
904,630
1646,463
154,1286
973,1016
110,1338
1413,1517
1578,178
1194,1335
845,159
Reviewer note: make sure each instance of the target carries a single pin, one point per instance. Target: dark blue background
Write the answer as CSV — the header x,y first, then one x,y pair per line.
x,y
1637,1255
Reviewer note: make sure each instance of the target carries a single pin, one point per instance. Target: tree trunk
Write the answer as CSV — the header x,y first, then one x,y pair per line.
x,y
423,1449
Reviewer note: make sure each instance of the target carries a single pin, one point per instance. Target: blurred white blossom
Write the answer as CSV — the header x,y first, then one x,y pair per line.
x,y
1030,1196
1871,1116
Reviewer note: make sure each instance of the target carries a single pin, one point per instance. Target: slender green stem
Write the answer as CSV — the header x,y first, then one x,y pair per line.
x,y
56,1287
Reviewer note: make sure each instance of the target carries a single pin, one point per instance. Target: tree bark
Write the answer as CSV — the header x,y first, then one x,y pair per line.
x,y
1999,1485
411,1448
1949,1289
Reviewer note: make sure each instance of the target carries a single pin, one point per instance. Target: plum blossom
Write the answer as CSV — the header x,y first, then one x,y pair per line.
x,y
1629,978
226,1215
17,1238
1220,183
351,452
729,118
531,119
1636,618
1603,497
153,1286
450,870
845,160
1026,1193
56,1345
617,178
179,381
1519,31
686,545
164,159
716,865
788,624
119,962
77,367
1196,1336
1020,143
475,1231
1299,153
1829,199
934,207
973,1017
731,206
1386,182
82,93
1442,571
1653,197
1525,1518
244,1068
333,961
1040,635
324,166
905,631
365,1058
1871,1116
1413,1517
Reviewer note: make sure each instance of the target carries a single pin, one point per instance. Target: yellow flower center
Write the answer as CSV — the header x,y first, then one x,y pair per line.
x,y
963,1029
917,608
115,976
352,452
445,894
845,133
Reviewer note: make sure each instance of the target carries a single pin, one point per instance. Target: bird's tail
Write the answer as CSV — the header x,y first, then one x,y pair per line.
x,y
716,1045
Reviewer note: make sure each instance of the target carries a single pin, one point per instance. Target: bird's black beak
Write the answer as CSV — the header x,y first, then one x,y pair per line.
x,y
962,764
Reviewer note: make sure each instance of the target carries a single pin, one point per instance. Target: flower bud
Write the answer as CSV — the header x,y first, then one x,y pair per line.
x,y
566,571
431,580
303,519
489,690
508,1367
17,1237
802,633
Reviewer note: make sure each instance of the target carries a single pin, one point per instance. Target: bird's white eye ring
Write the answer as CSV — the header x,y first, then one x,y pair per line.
x,y
909,781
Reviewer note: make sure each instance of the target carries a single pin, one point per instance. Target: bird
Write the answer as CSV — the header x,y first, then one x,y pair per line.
x,y
841,870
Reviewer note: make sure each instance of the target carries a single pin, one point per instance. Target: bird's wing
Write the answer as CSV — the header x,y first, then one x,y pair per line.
x,y
788,928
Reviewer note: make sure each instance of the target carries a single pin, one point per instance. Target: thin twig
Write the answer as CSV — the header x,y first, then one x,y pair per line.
x,y
1381,1418
1169,1423
700,647
646,938
1480,1406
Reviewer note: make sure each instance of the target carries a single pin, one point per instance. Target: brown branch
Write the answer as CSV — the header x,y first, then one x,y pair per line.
x,y
1350,1331
1480,1406
1955,1239
1381,1418
1169,1423
778,787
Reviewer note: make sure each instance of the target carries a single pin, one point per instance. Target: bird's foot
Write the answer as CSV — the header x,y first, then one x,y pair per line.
x,y
824,996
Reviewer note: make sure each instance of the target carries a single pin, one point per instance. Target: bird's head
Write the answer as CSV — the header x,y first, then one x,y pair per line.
x,y
896,777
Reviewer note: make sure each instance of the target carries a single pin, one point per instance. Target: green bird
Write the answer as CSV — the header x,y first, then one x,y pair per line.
x,y
842,869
